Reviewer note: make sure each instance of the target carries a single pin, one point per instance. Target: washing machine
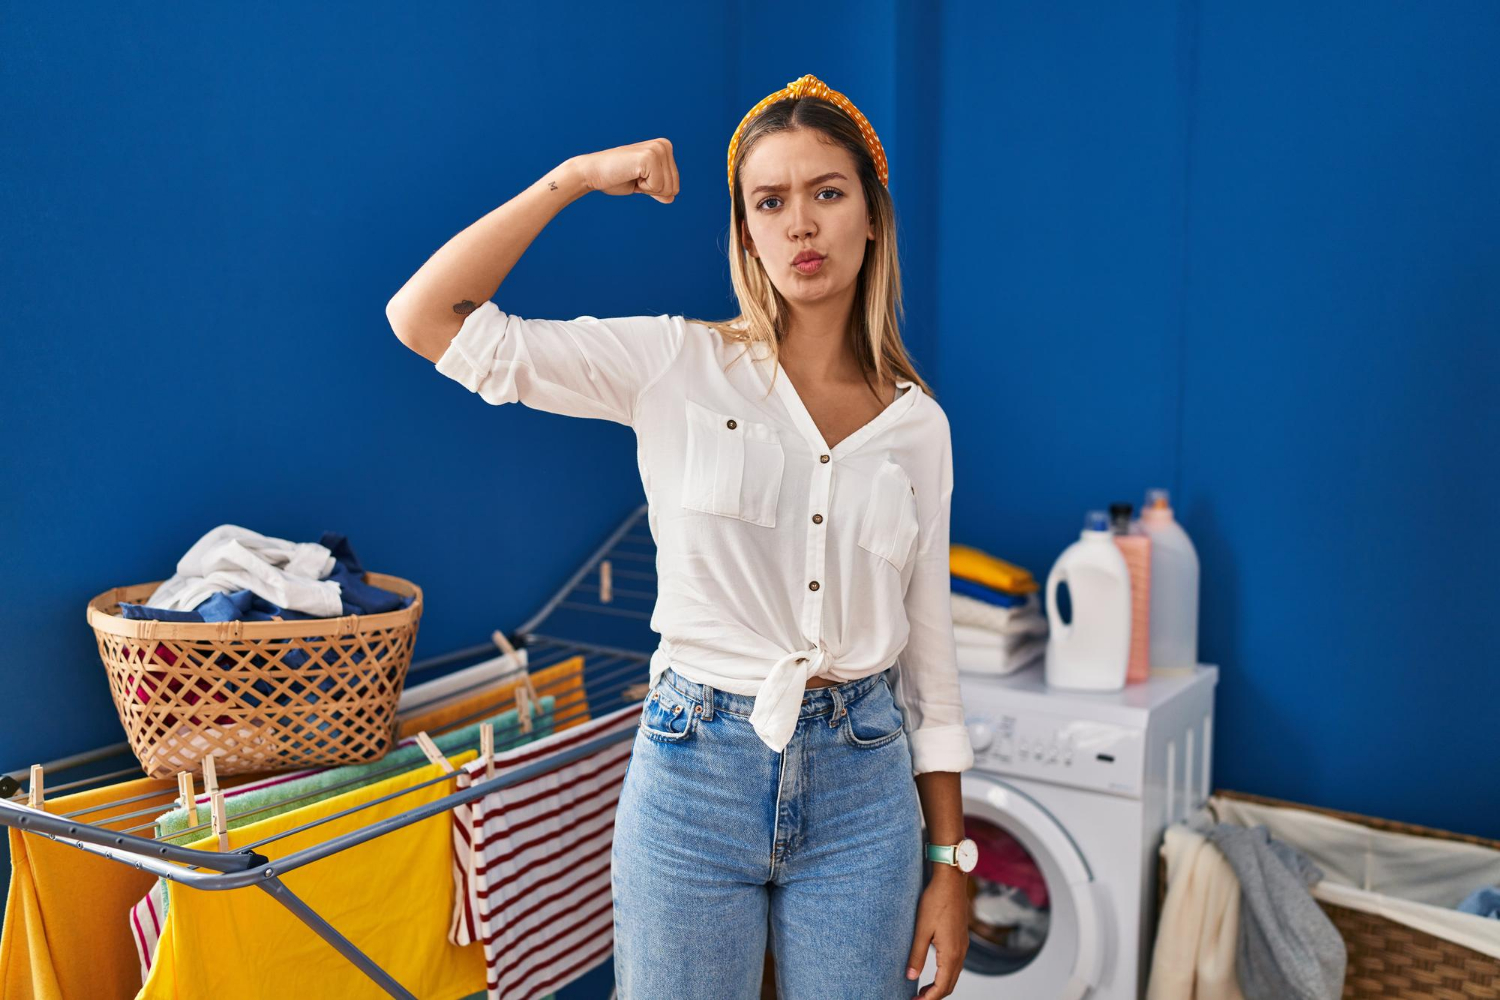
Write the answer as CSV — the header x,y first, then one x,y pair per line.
x,y
1068,799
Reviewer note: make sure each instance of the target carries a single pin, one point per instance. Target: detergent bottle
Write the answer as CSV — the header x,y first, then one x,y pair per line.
x,y
1092,652
1174,588
1135,545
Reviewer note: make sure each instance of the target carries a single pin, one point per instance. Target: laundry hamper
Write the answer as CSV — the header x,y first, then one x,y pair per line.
x,y
1408,948
257,695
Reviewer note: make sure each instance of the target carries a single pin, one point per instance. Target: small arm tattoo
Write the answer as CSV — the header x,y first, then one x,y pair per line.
x,y
552,185
464,308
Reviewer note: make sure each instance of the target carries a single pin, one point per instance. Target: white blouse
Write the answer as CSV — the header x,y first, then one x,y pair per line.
x,y
778,558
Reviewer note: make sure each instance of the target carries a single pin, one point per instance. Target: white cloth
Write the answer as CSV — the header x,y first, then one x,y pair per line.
x,y
778,558
532,861
1024,618
1198,930
229,558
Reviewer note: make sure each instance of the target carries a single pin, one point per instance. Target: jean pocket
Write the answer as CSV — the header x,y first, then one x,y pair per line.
x,y
733,466
872,720
667,716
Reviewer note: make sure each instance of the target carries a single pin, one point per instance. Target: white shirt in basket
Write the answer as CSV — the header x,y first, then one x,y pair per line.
x,y
778,558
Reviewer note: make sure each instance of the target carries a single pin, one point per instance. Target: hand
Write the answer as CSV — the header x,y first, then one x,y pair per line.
x,y
943,921
639,168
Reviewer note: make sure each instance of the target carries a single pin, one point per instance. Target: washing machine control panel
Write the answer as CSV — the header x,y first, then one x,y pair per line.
x,y
1069,751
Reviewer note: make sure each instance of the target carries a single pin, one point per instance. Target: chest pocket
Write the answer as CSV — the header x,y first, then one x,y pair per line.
x,y
889,525
733,466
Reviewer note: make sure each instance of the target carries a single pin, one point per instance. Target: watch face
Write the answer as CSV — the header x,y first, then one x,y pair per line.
x,y
967,855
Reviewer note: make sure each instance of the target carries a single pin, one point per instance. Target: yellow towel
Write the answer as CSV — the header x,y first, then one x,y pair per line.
x,y
564,681
66,935
392,896
970,563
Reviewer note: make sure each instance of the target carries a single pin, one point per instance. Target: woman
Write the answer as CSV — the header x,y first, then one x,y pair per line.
x,y
801,521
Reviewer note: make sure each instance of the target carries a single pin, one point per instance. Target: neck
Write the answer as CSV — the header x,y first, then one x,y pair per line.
x,y
816,341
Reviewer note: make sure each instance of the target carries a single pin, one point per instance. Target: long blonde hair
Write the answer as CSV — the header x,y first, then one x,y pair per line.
x,y
874,329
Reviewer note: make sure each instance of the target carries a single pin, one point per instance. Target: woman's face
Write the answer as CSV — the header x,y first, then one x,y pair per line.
x,y
802,192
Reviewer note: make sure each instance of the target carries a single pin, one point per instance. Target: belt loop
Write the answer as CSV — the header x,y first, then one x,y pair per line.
x,y
838,705
708,702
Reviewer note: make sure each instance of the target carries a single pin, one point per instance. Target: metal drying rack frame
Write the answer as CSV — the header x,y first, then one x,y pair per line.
x,y
612,669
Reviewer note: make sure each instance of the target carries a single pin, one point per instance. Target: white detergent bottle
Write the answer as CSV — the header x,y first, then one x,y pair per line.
x,y
1092,653
1174,589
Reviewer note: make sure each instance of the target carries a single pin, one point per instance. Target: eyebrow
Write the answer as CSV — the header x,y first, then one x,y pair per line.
x,y
816,180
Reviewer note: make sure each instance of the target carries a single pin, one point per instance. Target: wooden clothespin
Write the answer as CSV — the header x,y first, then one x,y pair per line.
x,y
487,748
499,639
523,706
185,792
210,776
219,819
430,749
36,799
606,583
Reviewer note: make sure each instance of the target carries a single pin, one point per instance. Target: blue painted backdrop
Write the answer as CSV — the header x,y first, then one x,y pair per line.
x,y
1246,252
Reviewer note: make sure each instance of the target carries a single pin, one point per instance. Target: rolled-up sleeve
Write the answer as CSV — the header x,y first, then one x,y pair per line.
x,y
927,675
583,367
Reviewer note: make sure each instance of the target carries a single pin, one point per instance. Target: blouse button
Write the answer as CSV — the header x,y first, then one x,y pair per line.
x,y
731,425
817,519
813,585
823,459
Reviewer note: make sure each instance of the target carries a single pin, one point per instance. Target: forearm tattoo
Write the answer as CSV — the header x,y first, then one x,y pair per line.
x,y
464,308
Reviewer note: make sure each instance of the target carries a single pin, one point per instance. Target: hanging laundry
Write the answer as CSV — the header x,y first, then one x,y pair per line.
x,y
978,566
63,937
535,857
392,896
562,681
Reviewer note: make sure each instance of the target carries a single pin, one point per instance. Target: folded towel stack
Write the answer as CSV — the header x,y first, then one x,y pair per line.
x,y
998,624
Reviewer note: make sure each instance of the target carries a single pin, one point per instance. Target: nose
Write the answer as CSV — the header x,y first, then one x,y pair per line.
x,y
799,222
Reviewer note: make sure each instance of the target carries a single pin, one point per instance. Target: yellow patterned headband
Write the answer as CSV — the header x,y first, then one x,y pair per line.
x,y
811,86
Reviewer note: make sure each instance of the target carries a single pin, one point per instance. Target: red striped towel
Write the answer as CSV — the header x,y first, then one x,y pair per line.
x,y
534,859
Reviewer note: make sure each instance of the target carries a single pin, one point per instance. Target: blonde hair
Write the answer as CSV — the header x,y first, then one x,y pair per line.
x,y
874,329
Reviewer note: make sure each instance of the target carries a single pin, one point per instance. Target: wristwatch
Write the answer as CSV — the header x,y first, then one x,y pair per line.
x,y
962,855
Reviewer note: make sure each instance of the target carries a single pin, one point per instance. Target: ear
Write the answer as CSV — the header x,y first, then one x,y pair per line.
x,y
746,238
870,229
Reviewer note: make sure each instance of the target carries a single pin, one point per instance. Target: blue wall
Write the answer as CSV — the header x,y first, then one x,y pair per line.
x,y
1248,252
1244,252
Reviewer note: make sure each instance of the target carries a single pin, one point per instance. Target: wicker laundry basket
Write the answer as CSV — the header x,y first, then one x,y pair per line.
x,y
258,696
1388,959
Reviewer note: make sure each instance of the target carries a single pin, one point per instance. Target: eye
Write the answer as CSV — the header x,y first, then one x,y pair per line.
x,y
833,191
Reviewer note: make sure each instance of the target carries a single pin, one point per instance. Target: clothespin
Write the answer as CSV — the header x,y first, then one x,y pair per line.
x,y
487,748
36,799
433,753
606,584
219,819
210,775
523,706
185,792
499,639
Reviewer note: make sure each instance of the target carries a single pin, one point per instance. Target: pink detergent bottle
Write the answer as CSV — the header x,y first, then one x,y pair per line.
x,y
1135,545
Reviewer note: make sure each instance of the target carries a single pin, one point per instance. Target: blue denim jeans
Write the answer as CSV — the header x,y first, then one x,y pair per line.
x,y
720,841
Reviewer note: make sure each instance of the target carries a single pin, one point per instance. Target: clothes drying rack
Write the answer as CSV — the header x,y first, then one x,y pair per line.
x,y
612,677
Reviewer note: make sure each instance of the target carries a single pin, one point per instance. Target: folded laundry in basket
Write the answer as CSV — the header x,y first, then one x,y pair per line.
x,y
1482,902
271,581
1288,947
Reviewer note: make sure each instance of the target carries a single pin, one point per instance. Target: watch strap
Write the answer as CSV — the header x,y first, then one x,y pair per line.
x,y
946,854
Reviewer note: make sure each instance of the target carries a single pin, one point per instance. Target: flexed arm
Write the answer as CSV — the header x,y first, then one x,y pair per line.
x,y
427,312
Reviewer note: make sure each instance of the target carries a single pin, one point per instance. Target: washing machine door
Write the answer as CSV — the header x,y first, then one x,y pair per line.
x,y
1035,926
